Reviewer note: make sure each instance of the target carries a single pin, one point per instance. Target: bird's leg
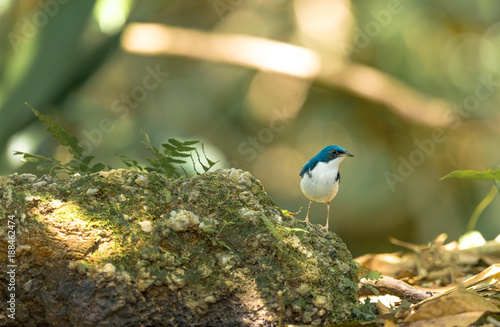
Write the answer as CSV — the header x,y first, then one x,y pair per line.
x,y
327,216
307,216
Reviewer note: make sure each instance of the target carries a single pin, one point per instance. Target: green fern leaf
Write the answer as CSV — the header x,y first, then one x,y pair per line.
x,y
88,159
187,143
97,167
59,133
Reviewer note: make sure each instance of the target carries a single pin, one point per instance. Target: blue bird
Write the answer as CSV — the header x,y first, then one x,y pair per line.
x,y
321,177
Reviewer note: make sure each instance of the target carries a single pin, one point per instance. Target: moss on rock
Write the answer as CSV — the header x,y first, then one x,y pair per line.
x,y
125,248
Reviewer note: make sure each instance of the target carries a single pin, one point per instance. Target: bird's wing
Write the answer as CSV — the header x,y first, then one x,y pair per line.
x,y
308,167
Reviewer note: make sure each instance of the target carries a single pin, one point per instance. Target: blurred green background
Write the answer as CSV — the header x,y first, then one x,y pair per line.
x,y
437,112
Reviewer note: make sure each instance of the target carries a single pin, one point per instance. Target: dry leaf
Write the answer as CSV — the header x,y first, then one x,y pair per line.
x,y
458,320
389,264
487,277
485,280
382,309
389,323
456,303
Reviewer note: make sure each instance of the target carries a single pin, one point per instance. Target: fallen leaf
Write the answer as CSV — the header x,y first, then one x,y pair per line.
x,y
382,308
489,276
389,264
389,323
467,304
458,320
488,279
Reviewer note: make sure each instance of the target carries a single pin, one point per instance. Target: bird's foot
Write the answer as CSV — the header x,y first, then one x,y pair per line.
x,y
324,227
306,221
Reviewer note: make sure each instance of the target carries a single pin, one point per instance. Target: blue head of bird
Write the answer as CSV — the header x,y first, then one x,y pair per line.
x,y
321,177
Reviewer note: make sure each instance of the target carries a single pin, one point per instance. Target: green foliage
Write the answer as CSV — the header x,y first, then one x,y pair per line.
x,y
216,240
370,275
165,162
79,163
290,230
493,175
270,228
481,206
472,174
365,311
367,274
174,153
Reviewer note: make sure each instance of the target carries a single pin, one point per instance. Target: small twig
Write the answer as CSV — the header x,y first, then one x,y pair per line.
x,y
493,321
388,285
293,213
222,228
282,309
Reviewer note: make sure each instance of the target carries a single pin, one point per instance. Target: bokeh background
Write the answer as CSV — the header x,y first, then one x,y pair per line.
x,y
410,87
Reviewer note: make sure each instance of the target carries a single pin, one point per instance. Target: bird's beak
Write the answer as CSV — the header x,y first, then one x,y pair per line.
x,y
347,154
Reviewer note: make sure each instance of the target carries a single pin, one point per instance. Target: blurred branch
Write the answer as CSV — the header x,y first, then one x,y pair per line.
x,y
372,84
243,50
296,61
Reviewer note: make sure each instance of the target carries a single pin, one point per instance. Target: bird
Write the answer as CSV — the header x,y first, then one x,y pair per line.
x,y
320,178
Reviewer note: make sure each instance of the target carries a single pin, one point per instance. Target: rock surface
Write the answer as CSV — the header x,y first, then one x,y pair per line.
x,y
126,248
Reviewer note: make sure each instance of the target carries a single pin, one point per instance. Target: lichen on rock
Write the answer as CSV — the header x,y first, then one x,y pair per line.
x,y
182,220
207,250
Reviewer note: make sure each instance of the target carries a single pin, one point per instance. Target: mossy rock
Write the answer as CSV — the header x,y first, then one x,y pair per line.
x,y
125,248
